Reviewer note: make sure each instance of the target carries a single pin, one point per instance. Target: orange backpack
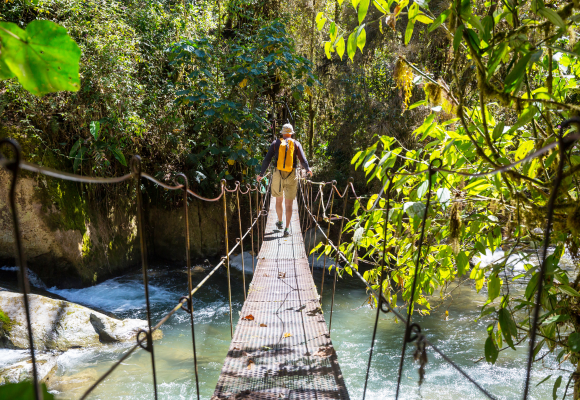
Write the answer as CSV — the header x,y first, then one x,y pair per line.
x,y
286,155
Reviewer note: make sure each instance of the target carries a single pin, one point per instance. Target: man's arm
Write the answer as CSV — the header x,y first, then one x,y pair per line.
x,y
268,159
302,157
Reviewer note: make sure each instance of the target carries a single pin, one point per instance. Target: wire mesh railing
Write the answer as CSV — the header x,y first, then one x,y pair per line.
x,y
413,331
144,338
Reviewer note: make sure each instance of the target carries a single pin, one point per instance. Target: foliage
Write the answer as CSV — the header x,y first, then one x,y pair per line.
x,y
512,76
22,391
43,57
228,91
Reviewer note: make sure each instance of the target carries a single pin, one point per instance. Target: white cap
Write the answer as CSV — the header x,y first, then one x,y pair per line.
x,y
287,129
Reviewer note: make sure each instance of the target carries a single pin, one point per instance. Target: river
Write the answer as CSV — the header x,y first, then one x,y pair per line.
x,y
460,337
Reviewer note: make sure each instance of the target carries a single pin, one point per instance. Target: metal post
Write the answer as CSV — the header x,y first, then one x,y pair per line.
x,y
189,283
14,168
327,238
228,256
136,169
257,218
337,258
316,228
251,227
241,237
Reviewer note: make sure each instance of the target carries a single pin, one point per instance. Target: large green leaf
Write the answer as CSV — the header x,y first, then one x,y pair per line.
x,y
409,31
340,47
363,7
553,17
439,20
508,326
22,391
43,57
556,385
361,39
493,286
351,46
491,352
574,342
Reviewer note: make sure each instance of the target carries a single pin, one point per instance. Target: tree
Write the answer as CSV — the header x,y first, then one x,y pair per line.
x,y
511,79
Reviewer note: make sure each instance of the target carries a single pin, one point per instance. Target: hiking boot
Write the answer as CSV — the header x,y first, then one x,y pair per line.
x,y
279,225
286,232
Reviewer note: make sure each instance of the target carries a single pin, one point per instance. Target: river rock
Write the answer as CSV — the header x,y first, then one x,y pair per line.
x,y
62,325
45,364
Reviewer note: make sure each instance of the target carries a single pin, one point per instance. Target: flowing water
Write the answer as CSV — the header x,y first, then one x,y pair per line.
x,y
459,337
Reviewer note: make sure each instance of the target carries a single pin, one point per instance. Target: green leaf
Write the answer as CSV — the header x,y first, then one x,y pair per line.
x,y
95,127
497,55
382,6
508,326
409,31
544,380
569,291
516,74
320,24
43,57
354,3
22,391
361,39
493,287
422,189
363,7
75,148
5,72
462,263
556,385
574,342
532,286
523,149
417,104
439,20
351,46
327,49
553,17
340,47
491,352
424,19
332,31
458,36
118,155
498,130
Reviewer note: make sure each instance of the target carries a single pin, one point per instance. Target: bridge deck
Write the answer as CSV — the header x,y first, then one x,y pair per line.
x,y
284,351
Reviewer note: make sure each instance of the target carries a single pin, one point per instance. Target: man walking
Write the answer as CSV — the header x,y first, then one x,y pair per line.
x,y
284,181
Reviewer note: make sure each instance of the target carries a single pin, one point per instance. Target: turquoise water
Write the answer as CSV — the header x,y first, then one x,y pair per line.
x,y
460,337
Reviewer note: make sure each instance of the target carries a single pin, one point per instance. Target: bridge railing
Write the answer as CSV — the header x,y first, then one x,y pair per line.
x,y
144,337
412,331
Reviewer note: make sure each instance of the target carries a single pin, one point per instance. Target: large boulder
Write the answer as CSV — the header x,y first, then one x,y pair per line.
x,y
61,325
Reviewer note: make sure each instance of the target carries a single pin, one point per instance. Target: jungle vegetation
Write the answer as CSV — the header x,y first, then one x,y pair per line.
x,y
373,86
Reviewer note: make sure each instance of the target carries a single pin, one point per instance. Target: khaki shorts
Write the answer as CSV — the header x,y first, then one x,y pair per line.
x,y
287,186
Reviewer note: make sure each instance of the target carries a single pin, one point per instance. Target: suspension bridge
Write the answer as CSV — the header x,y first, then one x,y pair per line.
x,y
281,348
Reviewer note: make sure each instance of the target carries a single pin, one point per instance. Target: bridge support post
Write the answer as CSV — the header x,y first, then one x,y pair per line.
x,y
241,237
136,169
228,256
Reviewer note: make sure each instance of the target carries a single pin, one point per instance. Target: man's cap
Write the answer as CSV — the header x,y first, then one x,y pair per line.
x,y
287,129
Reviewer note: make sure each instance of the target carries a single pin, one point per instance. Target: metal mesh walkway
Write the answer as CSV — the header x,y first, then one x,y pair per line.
x,y
281,348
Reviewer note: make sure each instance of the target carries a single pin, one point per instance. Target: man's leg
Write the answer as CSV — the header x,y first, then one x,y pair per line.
x,y
279,207
288,203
